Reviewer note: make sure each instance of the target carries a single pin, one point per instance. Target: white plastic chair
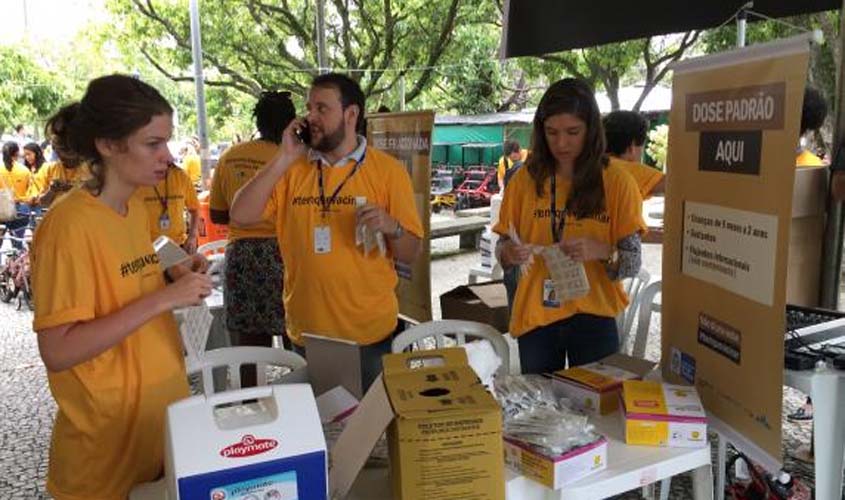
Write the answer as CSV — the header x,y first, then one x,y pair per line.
x,y
460,330
215,252
648,305
213,247
232,358
633,288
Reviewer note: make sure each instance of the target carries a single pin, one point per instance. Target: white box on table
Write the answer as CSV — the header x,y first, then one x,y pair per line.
x,y
270,448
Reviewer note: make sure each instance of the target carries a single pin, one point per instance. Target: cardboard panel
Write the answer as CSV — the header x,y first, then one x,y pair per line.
x,y
407,136
726,242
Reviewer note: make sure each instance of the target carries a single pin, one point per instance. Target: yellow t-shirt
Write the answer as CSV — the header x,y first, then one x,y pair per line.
x,y
19,180
239,164
531,218
807,159
342,293
173,196
646,177
192,165
57,170
89,262
505,164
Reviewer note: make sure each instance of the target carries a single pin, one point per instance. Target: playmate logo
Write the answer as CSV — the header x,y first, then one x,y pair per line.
x,y
248,446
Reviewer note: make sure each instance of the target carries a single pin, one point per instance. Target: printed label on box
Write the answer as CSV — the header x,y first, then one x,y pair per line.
x,y
275,487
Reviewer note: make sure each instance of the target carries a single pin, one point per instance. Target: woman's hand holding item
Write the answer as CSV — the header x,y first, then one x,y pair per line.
x,y
188,290
585,249
515,254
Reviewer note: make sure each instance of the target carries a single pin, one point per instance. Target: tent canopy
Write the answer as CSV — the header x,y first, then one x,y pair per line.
x,y
546,26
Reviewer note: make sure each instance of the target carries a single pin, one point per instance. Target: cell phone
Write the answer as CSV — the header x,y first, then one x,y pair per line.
x,y
303,133
60,185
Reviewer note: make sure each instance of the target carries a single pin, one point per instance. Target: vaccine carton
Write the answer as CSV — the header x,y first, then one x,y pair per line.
x,y
263,442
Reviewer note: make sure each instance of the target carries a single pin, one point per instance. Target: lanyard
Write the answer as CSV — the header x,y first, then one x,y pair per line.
x,y
324,203
557,228
163,200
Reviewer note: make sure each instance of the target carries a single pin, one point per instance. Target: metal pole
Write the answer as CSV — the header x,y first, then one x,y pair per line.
x,y
25,20
832,250
321,38
199,81
741,23
402,93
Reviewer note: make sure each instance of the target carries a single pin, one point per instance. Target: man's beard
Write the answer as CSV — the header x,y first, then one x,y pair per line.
x,y
330,141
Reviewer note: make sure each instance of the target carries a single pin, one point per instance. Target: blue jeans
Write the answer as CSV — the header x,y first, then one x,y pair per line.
x,y
581,339
510,276
18,226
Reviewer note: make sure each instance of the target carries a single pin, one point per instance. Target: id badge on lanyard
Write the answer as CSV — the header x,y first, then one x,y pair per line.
x,y
323,232
322,239
164,222
550,298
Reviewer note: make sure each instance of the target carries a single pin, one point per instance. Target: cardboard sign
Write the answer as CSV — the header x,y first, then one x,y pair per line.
x,y
407,136
731,165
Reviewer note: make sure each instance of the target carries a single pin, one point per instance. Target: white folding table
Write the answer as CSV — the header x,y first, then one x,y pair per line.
x,y
628,468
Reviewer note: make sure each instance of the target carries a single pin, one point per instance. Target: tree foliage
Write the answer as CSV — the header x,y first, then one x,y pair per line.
x,y
28,93
251,45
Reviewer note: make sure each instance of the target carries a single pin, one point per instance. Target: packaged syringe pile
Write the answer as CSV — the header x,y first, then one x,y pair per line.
x,y
545,439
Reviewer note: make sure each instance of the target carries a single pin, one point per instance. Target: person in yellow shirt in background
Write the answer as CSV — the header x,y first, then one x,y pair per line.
x,y
254,268
626,133
569,194
512,155
319,197
18,178
191,163
166,204
59,177
813,114
33,157
105,331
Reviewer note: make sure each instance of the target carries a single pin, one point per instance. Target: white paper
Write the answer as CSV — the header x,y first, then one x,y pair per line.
x,y
568,276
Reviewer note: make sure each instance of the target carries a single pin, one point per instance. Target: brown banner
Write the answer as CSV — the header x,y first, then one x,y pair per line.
x,y
731,165
407,136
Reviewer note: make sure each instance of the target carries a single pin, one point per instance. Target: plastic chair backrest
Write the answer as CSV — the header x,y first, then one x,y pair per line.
x,y
232,358
460,330
213,247
633,288
648,305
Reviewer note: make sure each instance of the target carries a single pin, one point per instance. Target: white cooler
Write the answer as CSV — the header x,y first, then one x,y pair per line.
x,y
272,448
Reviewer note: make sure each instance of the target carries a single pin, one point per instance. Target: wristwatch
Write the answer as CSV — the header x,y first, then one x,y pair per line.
x,y
612,259
398,232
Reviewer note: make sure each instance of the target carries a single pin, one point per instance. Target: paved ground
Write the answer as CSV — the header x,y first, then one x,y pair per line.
x,y
27,411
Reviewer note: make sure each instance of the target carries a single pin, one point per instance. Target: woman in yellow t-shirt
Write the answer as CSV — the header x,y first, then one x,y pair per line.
x,y
18,178
569,196
105,330
255,310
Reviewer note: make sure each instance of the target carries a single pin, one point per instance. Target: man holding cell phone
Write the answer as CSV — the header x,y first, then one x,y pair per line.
x,y
319,192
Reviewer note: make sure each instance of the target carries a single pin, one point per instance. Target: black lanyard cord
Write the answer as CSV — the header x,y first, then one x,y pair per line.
x,y
326,204
163,200
557,227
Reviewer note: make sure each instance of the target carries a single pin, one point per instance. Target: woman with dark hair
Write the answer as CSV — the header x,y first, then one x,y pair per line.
x,y
254,271
33,157
105,331
18,178
571,195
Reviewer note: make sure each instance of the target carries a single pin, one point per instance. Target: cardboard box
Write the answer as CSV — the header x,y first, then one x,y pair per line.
x,y
332,363
806,235
444,430
555,472
663,415
270,448
485,303
594,388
